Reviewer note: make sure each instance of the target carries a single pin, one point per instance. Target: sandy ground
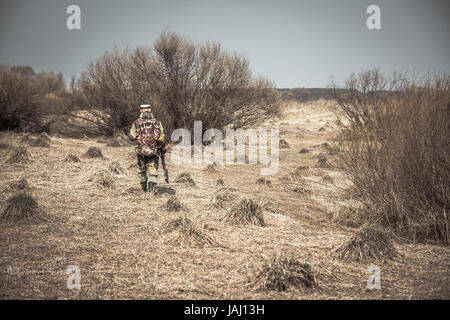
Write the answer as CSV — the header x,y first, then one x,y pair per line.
x,y
115,236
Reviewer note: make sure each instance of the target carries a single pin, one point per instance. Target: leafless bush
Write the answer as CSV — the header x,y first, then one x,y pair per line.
x,y
18,101
394,147
28,98
183,81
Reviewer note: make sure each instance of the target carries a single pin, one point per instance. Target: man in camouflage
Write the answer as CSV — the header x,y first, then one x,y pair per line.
x,y
150,141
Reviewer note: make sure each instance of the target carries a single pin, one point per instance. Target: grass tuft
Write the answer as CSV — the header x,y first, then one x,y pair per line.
x,y
285,271
93,152
183,233
103,178
368,244
19,207
18,155
185,178
246,211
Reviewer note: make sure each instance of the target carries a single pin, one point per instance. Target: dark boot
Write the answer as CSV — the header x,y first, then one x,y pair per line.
x,y
143,186
151,187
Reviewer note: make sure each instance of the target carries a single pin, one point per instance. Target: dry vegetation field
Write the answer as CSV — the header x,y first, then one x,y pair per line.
x,y
224,234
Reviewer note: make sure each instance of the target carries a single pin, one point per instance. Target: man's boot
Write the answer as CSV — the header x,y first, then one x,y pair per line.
x,y
143,184
151,186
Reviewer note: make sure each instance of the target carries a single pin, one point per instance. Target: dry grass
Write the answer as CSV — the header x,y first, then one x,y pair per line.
x,y
323,162
327,179
211,167
220,182
185,178
19,185
224,197
284,144
348,217
246,211
43,141
114,143
264,181
103,178
284,271
93,152
39,143
18,155
117,239
20,207
5,146
303,150
368,244
71,157
182,232
174,204
294,176
25,138
395,150
115,167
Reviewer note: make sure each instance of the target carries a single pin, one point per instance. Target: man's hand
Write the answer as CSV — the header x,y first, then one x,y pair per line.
x,y
127,133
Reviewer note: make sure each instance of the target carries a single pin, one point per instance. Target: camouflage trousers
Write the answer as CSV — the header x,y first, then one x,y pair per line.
x,y
148,168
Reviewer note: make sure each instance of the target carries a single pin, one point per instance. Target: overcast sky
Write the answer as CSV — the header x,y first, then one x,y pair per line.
x,y
295,43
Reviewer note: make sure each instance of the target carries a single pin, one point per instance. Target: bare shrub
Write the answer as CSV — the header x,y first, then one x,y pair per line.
x,y
284,271
182,80
28,98
19,207
93,152
368,244
394,147
18,100
220,182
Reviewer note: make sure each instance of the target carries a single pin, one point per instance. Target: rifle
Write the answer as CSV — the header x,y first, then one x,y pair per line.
x,y
162,155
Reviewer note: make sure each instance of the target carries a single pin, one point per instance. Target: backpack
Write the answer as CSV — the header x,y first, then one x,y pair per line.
x,y
148,133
